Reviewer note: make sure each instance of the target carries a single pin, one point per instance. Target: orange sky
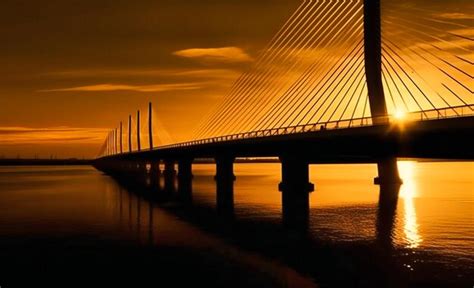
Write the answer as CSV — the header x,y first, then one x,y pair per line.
x,y
71,70
85,65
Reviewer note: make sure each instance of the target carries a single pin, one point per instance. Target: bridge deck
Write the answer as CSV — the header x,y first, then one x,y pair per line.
x,y
449,138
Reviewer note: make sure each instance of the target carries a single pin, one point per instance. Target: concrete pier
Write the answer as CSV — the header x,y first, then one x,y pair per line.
x,y
155,170
185,179
388,179
225,184
154,174
169,176
295,188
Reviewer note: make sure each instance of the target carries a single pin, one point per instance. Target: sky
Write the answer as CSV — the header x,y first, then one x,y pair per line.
x,y
71,70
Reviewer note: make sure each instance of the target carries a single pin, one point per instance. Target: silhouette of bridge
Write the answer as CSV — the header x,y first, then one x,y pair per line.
x,y
343,81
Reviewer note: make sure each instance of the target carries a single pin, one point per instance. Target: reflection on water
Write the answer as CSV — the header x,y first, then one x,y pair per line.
x,y
75,223
408,193
427,237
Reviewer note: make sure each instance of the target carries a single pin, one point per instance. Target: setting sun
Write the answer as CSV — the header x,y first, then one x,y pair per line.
x,y
399,115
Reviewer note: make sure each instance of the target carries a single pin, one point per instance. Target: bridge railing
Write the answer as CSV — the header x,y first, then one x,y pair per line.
x,y
449,112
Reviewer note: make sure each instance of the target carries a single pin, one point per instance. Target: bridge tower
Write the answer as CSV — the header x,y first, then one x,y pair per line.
x,y
121,140
373,61
387,164
150,125
130,133
138,131
154,165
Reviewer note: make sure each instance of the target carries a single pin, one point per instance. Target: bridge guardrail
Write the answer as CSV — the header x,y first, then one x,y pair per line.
x,y
449,112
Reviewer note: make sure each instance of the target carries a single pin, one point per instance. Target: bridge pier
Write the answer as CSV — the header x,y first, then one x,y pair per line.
x,y
140,171
225,184
154,174
295,188
155,170
169,174
388,179
132,167
185,179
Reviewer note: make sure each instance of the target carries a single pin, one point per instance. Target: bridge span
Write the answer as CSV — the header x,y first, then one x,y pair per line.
x,y
448,138
360,81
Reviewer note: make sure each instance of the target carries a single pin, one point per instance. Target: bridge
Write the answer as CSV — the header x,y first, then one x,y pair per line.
x,y
343,81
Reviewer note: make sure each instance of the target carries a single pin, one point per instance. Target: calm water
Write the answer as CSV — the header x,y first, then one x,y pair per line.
x,y
70,213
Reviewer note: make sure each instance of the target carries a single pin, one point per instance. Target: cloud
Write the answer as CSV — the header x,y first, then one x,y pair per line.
x,y
209,73
123,87
51,135
81,73
114,73
223,54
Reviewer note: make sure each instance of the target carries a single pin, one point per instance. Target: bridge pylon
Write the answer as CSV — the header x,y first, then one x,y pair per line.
x,y
387,166
150,125
138,131
130,133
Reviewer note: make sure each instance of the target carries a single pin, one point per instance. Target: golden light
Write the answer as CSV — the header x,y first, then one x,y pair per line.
x,y
399,115
408,194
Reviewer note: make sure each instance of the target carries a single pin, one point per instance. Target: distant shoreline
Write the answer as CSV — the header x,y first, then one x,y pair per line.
x,y
74,161
44,162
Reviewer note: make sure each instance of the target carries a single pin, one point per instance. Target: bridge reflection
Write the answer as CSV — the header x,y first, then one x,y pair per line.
x,y
285,238
152,188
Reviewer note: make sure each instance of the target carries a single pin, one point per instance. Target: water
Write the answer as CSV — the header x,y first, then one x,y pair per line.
x,y
57,217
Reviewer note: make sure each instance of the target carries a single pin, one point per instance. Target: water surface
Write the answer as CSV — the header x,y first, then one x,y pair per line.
x,y
427,240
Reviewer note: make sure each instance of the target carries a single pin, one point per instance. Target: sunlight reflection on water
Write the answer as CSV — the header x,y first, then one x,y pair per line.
x,y
408,193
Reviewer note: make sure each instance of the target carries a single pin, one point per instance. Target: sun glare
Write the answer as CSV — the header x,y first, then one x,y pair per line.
x,y
399,115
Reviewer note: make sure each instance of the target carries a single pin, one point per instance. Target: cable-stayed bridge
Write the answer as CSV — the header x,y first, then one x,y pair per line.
x,y
343,81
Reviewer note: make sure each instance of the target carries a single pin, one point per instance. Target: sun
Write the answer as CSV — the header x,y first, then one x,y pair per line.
x,y
399,115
